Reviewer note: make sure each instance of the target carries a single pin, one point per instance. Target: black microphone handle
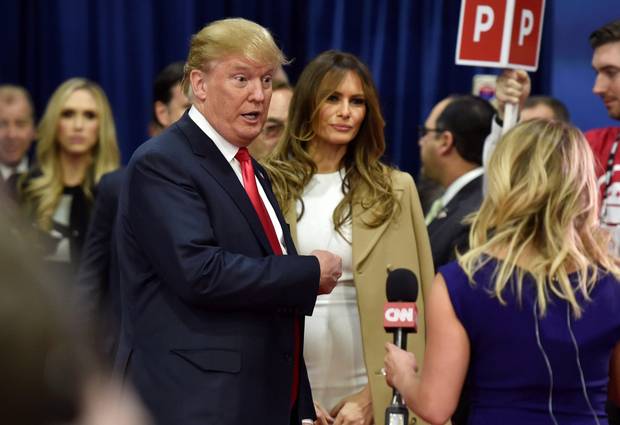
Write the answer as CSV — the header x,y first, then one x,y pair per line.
x,y
400,338
396,413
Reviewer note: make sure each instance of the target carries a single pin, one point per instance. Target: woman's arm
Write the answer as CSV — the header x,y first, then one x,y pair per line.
x,y
435,393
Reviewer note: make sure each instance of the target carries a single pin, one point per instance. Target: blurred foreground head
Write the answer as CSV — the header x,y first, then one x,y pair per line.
x,y
41,363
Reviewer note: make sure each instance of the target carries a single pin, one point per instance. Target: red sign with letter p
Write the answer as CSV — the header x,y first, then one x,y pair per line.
x,y
481,29
500,33
526,33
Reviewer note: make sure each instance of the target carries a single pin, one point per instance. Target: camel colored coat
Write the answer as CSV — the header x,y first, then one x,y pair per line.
x,y
399,242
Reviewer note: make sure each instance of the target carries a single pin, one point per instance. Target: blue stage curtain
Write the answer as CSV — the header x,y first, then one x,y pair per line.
x,y
409,46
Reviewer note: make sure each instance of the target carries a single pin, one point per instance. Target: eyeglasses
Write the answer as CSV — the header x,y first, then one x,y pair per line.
x,y
423,131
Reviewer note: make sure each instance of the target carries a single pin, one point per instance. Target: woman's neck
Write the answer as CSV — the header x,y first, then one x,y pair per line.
x,y
74,168
326,156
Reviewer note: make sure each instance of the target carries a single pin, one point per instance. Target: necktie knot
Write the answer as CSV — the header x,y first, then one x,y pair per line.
x,y
243,155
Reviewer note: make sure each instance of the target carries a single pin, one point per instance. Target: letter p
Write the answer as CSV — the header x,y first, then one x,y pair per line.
x,y
484,21
526,26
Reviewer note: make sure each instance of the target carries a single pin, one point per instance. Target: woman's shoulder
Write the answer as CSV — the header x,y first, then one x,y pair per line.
x,y
400,179
454,274
607,283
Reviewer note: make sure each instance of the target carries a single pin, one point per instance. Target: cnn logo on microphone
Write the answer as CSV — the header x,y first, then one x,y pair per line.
x,y
400,315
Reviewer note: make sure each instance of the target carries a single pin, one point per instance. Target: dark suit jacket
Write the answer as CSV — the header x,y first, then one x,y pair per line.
x,y
207,332
98,276
447,232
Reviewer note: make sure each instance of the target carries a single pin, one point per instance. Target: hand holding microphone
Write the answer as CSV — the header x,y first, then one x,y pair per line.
x,y
399,364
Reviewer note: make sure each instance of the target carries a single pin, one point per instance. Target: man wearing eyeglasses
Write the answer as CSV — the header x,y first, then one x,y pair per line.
x,y
277,116
451,143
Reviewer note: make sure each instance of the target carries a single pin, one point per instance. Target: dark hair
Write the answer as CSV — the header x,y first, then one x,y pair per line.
x,y
559,109
469,119
170,76
608,33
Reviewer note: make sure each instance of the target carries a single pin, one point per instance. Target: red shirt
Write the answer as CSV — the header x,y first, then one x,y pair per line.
x,y
601,141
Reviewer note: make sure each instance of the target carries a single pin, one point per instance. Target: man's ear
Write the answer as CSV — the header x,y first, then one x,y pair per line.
x,y
198,81
446,142
161,113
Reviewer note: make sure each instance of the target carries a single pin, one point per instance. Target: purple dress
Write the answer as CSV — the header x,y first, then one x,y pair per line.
x,y
527,369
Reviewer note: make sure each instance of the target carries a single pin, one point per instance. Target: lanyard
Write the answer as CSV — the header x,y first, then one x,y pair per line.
x,y
608,173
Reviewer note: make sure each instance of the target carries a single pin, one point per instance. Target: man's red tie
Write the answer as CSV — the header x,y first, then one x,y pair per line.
x,y
249,182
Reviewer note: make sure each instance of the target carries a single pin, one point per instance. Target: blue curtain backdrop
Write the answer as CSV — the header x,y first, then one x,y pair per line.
x,y
409,45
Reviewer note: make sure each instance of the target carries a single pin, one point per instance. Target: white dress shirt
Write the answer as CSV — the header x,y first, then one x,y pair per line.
x,y
7,171
459,184
229,151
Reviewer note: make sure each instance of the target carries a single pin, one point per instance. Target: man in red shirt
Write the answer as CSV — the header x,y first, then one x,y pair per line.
x,y
604,141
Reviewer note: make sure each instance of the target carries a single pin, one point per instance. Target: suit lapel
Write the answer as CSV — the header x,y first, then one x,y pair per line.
x,y
453,205
214,163
264,181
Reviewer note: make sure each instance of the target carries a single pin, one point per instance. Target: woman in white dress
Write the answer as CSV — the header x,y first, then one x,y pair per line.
x,y
337,195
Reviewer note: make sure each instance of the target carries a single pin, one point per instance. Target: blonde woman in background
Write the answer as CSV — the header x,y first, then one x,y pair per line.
x,y
532,310
77,145
337,195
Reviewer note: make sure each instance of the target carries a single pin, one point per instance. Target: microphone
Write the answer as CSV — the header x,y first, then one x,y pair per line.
x,y
400,316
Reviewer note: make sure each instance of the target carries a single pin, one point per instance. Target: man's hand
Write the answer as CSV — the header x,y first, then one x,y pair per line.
x,y
513,86
355,409
331,269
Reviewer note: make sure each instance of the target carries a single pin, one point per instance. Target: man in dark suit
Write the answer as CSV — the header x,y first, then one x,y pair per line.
x,y
97,280
213,293
451,144
17,131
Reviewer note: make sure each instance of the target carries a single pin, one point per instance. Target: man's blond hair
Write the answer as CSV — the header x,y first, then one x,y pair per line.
x,y
232,36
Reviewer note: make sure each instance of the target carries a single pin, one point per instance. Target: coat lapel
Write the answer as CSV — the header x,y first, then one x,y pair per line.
x,y
465,193
214,163
365,238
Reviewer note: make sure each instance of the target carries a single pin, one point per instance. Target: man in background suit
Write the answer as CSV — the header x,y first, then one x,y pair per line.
x,y
451,144
17,131
98,281
213,293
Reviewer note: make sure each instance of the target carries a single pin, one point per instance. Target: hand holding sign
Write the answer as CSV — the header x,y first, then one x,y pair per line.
x,y
501,33
513,88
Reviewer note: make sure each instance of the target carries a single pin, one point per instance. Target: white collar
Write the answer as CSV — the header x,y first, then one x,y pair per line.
x,y
228,149
7,171
459,184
